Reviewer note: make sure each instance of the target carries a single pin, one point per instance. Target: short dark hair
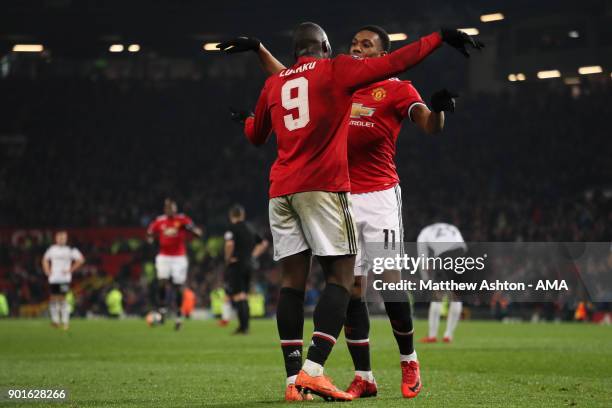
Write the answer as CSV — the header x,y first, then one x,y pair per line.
x,y
382,34
236,211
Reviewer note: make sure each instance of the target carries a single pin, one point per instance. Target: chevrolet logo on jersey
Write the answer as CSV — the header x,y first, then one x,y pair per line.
x,y
358,110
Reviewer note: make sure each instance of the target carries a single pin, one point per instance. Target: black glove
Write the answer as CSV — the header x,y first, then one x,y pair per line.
x,y
443,100
240,44
458,39
239,116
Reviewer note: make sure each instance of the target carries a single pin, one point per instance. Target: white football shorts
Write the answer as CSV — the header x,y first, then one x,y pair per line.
x,y
378,216
318,220
174,267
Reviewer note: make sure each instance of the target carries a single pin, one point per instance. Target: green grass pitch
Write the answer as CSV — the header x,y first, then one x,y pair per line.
x,y
127,364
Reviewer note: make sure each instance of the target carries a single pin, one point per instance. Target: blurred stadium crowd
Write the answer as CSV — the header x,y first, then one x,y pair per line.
x,y
525,165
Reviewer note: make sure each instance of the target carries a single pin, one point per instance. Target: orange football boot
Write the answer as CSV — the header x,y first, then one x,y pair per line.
x,y
293,394
322,386
428,340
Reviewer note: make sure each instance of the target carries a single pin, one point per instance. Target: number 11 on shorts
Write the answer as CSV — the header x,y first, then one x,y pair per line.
x,y
386,232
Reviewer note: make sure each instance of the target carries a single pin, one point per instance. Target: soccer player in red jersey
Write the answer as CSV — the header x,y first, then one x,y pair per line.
x,y
375,120
308,106
171,263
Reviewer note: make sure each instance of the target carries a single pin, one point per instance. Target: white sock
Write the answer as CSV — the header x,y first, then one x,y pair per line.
x,y
291,380
434,318
65,312
54,311
409,357
366,375
454,314
226,311
312,369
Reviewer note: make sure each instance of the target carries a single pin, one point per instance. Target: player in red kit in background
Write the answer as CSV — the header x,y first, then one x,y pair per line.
x,y
171,264
308,106
375,121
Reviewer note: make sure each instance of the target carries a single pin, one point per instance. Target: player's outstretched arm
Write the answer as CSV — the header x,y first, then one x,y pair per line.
x,y
355,73
243,44
268,62
432,121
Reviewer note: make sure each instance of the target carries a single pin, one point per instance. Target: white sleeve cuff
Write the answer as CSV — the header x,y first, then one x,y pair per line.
x,y
412,106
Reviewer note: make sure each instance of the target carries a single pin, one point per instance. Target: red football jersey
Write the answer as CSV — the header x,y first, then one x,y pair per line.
x,y
171,233
308,106
376,119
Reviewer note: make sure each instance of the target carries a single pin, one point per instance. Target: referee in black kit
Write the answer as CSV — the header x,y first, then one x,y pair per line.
x,y
242,246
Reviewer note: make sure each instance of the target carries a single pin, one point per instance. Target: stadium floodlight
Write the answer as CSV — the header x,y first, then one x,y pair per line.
x,y
134,48
573,34
28,48
470,31
487,18
553,73
520,76
571,81
592,69
116,48
511,77
211,47
397,37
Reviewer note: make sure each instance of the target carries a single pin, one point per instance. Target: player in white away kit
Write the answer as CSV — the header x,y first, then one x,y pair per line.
x,y
441,240
59,263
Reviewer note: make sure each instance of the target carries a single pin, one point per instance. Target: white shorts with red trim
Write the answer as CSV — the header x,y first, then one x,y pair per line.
x,y
378,216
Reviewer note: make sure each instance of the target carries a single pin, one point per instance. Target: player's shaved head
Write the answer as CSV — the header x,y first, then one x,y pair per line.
x,y
310,40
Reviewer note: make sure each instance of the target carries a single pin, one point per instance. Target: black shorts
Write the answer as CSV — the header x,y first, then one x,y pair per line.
x,y
237,278
59,288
